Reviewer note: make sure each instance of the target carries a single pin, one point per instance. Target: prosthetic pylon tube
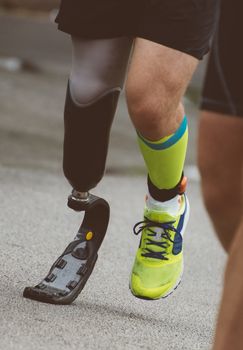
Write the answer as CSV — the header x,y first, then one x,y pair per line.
x,y
70,272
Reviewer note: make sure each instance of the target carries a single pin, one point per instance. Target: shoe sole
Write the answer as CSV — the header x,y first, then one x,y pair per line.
x,y
46,296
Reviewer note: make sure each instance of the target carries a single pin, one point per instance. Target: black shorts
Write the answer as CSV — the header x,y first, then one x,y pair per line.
x,y
185,25
223,88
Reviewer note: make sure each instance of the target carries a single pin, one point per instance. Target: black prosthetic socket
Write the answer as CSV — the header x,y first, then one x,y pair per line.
x,y
163,195
87,130
70,272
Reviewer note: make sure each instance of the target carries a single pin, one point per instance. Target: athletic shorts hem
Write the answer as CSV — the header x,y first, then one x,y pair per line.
x,y
197,53
221,107
184,25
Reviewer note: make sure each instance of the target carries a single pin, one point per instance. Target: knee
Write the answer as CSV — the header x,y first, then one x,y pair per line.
x,y
141,106
152,104
212,188
214,198
218,194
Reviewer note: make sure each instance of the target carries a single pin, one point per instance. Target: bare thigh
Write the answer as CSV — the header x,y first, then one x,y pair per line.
x,y
153,64
157,79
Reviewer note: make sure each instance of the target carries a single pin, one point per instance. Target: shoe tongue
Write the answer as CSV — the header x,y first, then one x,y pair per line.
x,y
157,216
161,211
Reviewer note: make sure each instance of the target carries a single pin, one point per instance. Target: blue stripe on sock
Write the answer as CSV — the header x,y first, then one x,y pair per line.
x,y
171,141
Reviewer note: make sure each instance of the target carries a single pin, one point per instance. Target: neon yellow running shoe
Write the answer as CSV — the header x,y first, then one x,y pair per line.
x,y
158,265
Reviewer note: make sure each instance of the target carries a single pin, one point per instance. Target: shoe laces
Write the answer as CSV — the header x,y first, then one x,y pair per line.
x,y
165,235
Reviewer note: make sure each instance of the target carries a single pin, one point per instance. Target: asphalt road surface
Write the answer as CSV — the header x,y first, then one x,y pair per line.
x,y
35,224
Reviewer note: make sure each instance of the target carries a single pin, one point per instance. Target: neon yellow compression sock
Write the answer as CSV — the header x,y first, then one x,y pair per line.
x,y
165,158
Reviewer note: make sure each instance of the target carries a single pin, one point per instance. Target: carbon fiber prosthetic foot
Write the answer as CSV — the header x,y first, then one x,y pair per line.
x,y
83,168
70,272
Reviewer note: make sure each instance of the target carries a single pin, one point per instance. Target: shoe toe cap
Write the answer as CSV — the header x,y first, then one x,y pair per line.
x,y
154,283
139,290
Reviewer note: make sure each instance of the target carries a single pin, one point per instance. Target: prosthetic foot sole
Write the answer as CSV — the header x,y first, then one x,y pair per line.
x,y
51,295
70,272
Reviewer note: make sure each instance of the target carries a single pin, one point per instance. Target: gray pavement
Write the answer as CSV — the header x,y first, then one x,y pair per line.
x,y
35,223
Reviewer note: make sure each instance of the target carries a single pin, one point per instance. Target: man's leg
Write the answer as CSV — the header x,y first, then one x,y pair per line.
x,y
220,160
97,77
157,80
230,322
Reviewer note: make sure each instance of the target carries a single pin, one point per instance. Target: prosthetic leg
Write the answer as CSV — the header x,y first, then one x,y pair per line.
x,y
97,77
